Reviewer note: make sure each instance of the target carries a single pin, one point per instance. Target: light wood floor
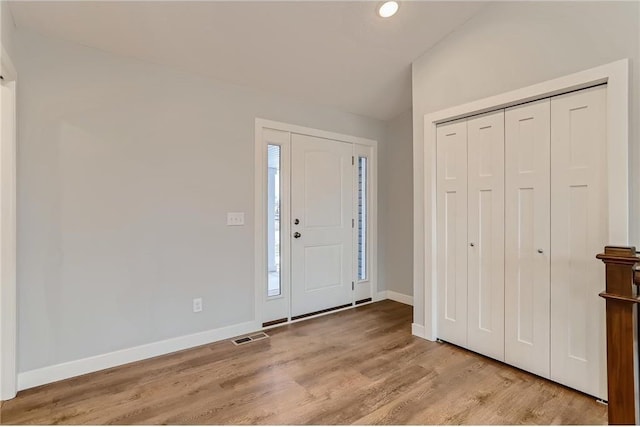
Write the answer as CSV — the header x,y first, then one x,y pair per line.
x,y
358,366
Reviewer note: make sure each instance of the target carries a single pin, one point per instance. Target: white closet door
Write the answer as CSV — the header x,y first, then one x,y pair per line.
x,y
578,233
451,190
485,145
527,236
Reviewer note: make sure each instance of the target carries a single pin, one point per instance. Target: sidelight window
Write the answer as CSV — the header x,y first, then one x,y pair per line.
x,y
362,218
274,286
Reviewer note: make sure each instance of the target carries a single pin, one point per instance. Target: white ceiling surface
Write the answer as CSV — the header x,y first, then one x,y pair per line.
x,y
332,53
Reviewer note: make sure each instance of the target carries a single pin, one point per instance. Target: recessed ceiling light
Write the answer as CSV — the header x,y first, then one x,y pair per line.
x,y
388,9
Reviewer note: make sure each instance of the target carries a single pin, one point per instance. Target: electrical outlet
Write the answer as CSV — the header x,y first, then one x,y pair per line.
x,y
235,218
197,305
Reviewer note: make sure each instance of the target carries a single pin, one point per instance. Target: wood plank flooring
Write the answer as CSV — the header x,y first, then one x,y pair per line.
x,y
359,366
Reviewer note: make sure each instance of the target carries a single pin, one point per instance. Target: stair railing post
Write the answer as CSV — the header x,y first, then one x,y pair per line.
x,y
622,299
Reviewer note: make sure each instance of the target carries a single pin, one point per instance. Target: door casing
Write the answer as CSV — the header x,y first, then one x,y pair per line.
x,y
8,301
271,132
425,274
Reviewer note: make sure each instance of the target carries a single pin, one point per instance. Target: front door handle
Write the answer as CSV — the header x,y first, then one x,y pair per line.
x,y
297,235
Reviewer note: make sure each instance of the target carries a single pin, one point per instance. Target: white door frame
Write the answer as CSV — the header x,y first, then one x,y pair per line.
x,y
615,75
260,205
8,371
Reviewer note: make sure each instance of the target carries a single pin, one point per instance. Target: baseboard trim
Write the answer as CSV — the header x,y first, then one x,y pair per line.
x,y
394,296
62,371
397,296
418,330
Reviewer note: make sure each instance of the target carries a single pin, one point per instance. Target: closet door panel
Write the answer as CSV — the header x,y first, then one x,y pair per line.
x,y
527,237
485,179
451,193
578,232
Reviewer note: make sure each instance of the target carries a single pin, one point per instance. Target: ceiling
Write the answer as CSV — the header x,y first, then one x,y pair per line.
x,y
333,53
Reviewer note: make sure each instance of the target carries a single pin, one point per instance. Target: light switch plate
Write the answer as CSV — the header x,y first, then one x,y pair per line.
x,y
197,305
235,218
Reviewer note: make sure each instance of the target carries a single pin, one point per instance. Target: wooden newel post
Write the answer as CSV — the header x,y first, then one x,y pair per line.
x,y
621,295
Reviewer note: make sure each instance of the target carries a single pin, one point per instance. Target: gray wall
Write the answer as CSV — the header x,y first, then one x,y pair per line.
x,y
8,27
396,206
125,173
512,45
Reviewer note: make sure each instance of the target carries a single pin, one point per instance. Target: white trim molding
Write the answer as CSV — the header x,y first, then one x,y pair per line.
x,y
615,75
398,297
7,69
8,309
75,368
418,330
394,296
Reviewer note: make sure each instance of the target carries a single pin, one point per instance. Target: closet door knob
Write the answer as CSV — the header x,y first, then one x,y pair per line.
x,y
540,251
472,244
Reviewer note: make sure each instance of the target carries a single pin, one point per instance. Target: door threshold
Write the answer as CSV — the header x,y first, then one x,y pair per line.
x,y
274,322
326,310
303,317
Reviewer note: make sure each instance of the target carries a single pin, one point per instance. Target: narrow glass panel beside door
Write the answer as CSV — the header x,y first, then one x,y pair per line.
x,y
362,218
274,284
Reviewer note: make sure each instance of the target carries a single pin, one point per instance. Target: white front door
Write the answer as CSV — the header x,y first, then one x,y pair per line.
x,y
321,224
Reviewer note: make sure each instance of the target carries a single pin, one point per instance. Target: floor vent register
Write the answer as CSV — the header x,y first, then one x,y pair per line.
x,y
250,338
